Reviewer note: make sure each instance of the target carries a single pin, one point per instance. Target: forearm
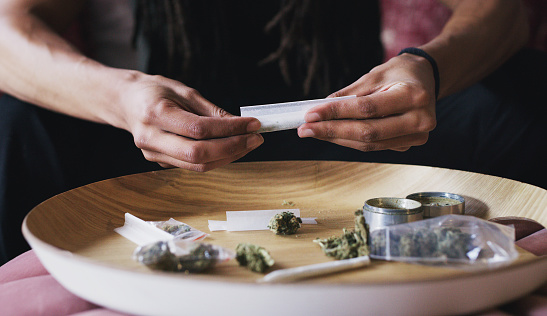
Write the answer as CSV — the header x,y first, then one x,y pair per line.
x,y
478,38
40,67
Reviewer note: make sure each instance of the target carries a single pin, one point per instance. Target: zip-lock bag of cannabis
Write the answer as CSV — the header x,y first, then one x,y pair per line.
x,y
451,240
181,255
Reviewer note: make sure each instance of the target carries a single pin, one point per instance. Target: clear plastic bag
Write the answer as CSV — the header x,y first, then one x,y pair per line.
x,y
179,230
451,240
181,255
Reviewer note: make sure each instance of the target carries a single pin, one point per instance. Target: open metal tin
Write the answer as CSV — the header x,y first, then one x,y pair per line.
x,y
439,203
386,211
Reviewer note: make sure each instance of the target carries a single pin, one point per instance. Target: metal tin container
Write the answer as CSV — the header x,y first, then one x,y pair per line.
x,y
386,211
439,203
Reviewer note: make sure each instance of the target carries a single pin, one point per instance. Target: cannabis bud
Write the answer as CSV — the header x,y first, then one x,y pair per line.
x,y
161,256
174,229
351,244
254,257
285,223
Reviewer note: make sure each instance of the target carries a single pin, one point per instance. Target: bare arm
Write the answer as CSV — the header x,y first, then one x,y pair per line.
x,y
395,107
36,63
171,123
479,37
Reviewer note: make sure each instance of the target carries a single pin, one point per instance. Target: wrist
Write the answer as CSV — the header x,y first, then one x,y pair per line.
x,y
122,86
421,53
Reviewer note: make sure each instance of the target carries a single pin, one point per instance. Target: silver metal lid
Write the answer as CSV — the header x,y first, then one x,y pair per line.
x,y
386,211
439,203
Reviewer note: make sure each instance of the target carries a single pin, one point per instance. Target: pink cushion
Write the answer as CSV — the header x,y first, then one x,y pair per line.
x,y
26,288
535,243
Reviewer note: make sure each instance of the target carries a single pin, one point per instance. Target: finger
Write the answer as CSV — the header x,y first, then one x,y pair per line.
x,y
170,162
193,101
397,99
401,149
199,152
367,84
171,118
371,130
166,166
392,144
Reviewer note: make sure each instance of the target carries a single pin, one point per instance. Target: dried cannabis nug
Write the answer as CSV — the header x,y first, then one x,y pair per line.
x,y
285,223
288,203
254,257
159,256
351,244
174,229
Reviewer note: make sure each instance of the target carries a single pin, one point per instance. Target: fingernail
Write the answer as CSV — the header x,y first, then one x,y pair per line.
x,y
254,140
312,117
253,126
305,133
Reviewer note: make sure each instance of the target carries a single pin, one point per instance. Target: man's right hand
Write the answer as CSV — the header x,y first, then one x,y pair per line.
x,y
174,125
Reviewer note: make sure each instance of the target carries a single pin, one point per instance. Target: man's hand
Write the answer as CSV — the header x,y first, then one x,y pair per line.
x,y
394,109
175,126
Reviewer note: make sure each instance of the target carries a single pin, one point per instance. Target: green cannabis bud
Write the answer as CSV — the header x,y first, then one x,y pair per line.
x,y
254,257
159,256
285,223
351,244
174,229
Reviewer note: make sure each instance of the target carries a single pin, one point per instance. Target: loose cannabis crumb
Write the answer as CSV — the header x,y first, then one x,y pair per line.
x,y
351,244
285,223
288,203
254,257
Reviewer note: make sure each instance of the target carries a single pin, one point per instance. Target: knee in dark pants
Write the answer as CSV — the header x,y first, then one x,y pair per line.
x,y
44,153
500,121
29,171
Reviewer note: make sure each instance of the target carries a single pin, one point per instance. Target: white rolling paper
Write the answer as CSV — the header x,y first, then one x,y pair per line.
x,y
140,232
294,274
252,220
283,116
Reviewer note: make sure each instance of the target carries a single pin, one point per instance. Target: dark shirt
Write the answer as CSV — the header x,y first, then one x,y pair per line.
x,y
229,40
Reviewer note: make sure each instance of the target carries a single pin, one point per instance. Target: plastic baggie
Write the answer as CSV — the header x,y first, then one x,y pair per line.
x,y
181,255
179,230
450,240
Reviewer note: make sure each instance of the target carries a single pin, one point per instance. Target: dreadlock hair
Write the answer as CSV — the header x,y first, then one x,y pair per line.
x,y
318,43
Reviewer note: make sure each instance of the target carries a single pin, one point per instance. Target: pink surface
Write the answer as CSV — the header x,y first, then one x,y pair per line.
x,y
535,243
26,288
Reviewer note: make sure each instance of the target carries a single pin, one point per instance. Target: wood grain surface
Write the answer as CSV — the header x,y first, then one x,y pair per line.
x,y
82,220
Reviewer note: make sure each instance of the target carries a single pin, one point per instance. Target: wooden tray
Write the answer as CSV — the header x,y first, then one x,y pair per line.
x,y
73,236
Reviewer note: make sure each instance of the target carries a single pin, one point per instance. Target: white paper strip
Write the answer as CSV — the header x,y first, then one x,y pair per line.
x,y
309,220
140,232
293,274
252,220
217,225
283,116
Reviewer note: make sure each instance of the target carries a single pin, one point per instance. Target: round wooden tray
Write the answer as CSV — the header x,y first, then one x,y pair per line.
x,y
73,235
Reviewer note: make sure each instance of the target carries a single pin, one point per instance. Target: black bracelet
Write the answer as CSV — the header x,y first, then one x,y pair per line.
x,y
421,53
